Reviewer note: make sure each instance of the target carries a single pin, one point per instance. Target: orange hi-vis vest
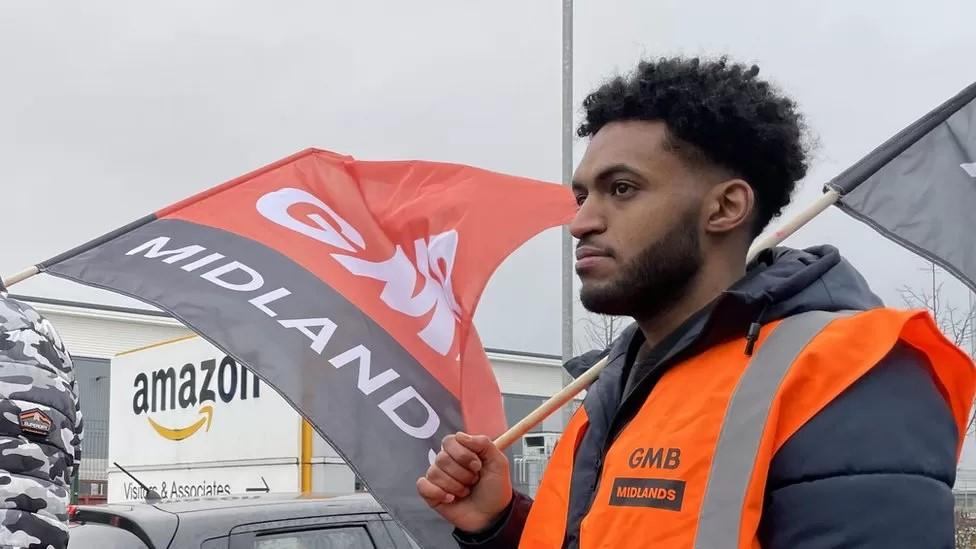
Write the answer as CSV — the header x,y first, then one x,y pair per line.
x,y
689,470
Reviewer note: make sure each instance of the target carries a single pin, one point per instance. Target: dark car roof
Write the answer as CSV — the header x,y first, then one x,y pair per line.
x,y
209,516
353,503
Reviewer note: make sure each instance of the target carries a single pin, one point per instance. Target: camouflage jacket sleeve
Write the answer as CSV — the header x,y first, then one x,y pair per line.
x,y
40,429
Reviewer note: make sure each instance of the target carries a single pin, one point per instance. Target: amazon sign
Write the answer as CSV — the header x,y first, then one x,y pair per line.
x,y
186,418
194,386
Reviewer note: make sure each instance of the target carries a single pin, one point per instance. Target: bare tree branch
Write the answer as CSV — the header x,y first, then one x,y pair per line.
x,y
599,331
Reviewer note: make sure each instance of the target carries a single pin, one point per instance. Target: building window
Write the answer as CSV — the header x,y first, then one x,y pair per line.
x,y
519,406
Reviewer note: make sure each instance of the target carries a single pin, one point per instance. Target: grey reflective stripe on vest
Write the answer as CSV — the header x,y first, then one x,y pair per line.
x,y
738,443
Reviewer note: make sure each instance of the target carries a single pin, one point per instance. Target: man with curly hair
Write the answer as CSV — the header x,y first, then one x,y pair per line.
x,y
777,404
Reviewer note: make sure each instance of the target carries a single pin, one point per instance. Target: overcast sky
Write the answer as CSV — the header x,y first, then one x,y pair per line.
x,y
111,110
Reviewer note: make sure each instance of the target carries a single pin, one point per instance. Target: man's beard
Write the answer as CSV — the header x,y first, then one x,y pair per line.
x,y
654,280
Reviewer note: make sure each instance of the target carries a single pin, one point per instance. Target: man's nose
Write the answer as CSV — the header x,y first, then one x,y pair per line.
x,y
589,219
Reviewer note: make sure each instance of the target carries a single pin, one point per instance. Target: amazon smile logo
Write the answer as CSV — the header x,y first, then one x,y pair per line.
x,y
181,433
195,387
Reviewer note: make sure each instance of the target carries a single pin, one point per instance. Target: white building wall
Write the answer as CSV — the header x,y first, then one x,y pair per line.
x,y
523,375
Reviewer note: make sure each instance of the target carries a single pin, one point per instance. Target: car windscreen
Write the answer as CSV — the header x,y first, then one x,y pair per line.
x,y
102,536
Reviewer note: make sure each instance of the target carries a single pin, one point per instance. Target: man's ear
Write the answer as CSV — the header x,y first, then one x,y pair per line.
x,y
728,205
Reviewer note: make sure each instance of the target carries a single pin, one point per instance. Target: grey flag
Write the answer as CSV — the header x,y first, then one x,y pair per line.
x,y
919,187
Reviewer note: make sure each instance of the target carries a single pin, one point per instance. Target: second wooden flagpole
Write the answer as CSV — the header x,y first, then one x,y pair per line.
x,y
825,201
20,277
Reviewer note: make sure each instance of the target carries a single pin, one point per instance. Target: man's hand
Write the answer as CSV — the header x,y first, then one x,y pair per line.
x,y
468,483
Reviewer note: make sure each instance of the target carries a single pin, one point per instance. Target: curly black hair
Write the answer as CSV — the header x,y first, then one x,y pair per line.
x,y
730,118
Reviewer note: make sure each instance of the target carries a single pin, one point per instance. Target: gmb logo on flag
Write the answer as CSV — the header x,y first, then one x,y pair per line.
x,y
435,263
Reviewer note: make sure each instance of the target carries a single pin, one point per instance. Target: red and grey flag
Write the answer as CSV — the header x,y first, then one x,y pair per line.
x,y
350,287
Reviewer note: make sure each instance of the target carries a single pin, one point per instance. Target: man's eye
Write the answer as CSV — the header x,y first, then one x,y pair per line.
x,y
620,189
580,198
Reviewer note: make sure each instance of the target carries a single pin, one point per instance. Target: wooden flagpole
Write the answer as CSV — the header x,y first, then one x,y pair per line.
x,y
825,201
554,403
21,276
